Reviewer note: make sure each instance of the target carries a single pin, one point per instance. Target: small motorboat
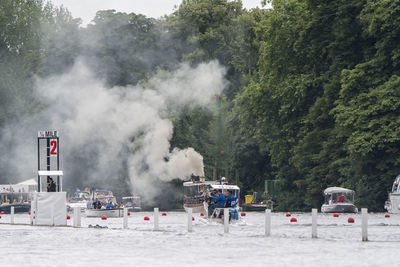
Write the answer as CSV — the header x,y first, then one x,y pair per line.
x,y
338,199
104,197
132,203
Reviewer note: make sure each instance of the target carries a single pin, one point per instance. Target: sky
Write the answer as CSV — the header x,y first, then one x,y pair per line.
x,y
86,9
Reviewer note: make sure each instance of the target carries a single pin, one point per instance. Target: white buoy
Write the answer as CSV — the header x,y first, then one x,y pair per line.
x,y
364,224
267,222
125,222
77,217
12,215
155,219
189,219
226,221
314,213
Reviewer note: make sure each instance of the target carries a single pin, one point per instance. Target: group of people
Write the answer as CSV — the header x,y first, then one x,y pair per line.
x,y
97,204
227,200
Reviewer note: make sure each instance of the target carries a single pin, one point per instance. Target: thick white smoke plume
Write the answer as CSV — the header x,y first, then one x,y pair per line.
x,y
101,127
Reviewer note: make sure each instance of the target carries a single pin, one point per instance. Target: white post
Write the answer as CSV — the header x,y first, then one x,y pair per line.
x,y
52,215
12,215
314,223
77,216
267,222
364,224
226,221
155,219
205,205
189,218
125,223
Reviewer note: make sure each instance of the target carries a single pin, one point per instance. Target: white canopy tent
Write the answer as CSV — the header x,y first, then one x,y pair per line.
x,y
29,185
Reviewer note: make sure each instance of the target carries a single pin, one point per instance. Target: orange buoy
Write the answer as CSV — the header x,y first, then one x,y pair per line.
x,y
192,218
0,217
164,214
104,217
293,219
350,220
243,214
202,214
146,218
129,214
336,215
68,217
2,212
29,212
288,214
387,215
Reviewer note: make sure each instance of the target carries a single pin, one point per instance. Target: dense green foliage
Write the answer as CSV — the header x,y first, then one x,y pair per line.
x,y
314,86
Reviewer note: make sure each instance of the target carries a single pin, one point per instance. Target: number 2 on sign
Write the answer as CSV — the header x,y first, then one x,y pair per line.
x,y
53,145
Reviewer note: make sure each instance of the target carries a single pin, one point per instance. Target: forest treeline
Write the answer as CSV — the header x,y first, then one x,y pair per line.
x,y
313,98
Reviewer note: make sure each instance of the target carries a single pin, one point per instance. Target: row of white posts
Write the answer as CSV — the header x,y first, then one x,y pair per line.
x,y
314,212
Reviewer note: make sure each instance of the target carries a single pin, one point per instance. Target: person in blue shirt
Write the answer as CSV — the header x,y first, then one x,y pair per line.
x,y
219,199
110,205
232,202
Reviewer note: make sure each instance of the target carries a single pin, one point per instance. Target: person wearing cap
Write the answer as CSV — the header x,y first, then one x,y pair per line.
x,y
219,199
110,205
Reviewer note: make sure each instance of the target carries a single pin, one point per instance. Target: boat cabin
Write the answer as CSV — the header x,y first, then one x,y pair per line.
x,y
335,195
194,192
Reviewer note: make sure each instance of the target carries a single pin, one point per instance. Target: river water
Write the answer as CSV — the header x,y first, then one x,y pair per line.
x,y
290,244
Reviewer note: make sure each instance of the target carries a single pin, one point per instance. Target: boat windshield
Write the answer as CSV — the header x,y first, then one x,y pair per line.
x,y
339,197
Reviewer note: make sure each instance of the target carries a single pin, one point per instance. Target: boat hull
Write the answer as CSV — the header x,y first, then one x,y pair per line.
x,y
254,207
394,203
340,208
109,213
196,208
18,208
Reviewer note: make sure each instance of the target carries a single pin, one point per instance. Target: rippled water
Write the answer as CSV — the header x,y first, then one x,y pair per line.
x,y
290,244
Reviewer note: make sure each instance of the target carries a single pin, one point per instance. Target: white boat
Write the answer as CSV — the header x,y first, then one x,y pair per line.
x,y
392,205
104,197
197,197
338,199
218,213
133,203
